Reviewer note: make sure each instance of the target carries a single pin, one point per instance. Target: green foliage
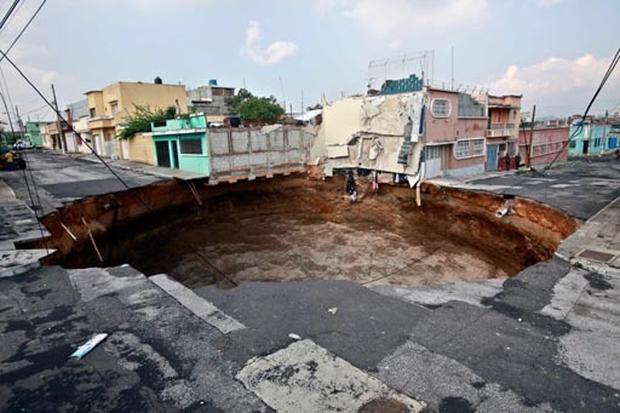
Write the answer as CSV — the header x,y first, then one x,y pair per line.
x,y
141,120
262,110
233,102
253,108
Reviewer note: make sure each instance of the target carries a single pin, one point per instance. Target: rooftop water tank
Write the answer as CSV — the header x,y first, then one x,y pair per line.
x,y
212,82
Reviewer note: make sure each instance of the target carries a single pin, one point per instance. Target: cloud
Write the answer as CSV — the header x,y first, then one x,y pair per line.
x,y
272,54
394,18
558,82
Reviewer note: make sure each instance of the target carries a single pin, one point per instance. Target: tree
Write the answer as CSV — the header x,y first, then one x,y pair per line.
x,y
261,110
142,118
233,102
253,108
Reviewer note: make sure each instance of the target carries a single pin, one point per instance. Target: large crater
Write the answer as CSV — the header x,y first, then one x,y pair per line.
x,y
294,228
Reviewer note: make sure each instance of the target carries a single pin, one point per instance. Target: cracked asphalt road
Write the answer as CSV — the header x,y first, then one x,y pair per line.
x,y
545,340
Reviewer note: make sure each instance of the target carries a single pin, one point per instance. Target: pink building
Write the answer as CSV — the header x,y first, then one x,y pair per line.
x,y
502,131
546,144
455,126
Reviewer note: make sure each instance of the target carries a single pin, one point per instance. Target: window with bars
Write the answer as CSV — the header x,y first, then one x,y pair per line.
x,y
191,146
469,148
433,152
440,108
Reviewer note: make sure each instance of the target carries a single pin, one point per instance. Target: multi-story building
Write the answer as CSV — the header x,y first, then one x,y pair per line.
x,y
79,115
407,124
51,136
109,108
210,100
454,133
502,132
589,137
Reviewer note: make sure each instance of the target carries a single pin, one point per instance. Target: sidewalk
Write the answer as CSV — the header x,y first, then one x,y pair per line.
x,y
158,171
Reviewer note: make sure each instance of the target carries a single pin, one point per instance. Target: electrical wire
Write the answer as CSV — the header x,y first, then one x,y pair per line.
x,y
8,13
579,127
21,32
61,117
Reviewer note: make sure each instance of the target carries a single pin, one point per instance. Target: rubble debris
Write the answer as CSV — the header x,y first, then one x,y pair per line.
x,y
294,336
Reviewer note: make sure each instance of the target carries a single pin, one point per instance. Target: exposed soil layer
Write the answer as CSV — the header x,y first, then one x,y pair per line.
x,y
295,228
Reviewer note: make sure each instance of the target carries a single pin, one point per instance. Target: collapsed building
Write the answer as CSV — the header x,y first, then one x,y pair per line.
x,y
416,132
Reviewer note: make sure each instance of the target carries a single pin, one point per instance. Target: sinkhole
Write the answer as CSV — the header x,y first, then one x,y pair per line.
x,y
295,228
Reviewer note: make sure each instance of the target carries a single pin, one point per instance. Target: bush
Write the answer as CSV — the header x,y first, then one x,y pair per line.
x,y
142,118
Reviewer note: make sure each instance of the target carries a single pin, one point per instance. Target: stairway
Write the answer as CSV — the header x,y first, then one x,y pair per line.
x,y
405,150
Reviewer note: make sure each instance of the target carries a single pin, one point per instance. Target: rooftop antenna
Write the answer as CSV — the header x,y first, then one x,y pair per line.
x,y
452,67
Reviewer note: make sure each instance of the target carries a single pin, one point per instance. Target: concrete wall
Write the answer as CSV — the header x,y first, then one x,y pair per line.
x,y
547,143
148,94
141,148
249,152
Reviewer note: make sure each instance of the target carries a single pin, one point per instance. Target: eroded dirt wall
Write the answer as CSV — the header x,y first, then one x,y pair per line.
x,y
290,228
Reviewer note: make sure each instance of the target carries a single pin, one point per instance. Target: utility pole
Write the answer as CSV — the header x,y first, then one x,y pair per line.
x,y
59,122
529,146
8,115
20,124
302,103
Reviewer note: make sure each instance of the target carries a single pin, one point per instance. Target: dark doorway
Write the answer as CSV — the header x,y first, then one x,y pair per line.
x,y
586,144
175,154
163,153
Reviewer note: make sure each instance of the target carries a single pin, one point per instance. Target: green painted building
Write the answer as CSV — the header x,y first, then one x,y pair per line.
x,y
33,133
182,144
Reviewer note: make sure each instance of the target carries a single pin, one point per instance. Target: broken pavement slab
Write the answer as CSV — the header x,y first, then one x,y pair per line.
x,y
16,262
196,304
305,377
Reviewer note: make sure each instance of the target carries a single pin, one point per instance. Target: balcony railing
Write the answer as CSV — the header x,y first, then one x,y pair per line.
x,y
497,130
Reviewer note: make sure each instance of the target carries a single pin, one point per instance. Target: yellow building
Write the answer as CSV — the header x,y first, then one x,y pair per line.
x,y
110,107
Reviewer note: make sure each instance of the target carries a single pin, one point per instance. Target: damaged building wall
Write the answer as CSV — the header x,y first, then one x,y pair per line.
x,y
379,133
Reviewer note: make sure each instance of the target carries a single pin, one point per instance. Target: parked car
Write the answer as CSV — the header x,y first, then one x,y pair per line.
x,y
22,144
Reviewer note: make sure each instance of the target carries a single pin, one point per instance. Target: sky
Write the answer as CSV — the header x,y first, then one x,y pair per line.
x,y
554,52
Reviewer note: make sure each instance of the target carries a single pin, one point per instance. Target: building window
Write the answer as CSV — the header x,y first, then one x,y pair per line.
x,y
93,112
469,148
433,152
114,107
191,146
440,108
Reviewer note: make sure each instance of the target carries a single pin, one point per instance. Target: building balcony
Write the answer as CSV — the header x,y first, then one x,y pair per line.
x,y
498,130
100,122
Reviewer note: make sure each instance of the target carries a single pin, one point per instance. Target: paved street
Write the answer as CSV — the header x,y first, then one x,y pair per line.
x,y
545,340
581,187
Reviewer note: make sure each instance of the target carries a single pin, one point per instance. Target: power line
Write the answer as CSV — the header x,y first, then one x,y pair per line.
x,y
8,13
57,112
19,35
606,76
